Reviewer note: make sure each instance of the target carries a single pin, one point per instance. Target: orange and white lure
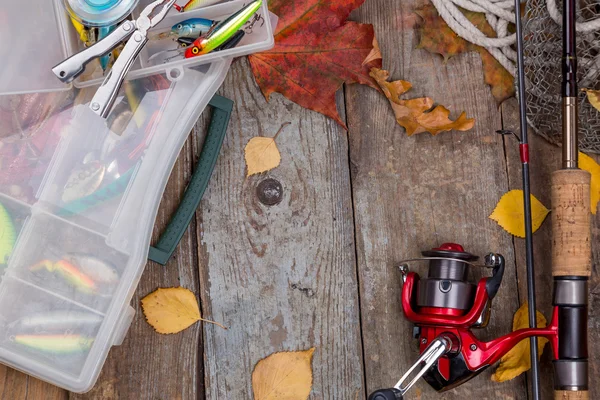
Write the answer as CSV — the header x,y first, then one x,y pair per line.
x,y
193,4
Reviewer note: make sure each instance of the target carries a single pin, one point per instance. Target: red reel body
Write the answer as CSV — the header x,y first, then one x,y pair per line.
x,y
445,307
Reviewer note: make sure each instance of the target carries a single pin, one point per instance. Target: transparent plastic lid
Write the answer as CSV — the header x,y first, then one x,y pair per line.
x,y
28,44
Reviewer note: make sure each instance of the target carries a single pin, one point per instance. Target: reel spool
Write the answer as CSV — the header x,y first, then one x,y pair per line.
x,y
446,290
97,13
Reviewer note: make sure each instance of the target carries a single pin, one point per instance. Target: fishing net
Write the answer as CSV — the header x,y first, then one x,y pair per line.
x,y
543,52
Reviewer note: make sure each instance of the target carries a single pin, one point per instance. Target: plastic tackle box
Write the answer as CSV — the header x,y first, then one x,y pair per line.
x,y
78,193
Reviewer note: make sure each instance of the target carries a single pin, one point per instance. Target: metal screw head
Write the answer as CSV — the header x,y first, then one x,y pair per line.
x,y
473,347
269,192
424,341
138,37
127,26
95,106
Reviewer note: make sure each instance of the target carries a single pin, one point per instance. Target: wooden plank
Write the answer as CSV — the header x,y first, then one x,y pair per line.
x,y
545,158
414,193
149,365
15,385
280,277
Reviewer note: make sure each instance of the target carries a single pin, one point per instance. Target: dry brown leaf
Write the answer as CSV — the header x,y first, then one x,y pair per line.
x,y
262,154
518,360
375,55
283,376
417,115
437,37
171,310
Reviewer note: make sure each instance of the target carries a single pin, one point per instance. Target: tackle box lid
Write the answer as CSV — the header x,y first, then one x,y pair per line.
x,y
30,40
80,195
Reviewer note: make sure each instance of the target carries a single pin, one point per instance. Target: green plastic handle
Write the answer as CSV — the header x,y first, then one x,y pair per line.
x,y
168,242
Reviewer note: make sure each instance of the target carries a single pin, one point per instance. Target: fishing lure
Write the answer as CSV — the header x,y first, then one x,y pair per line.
x,y
233,41
56,320
69,272
84,180
224,31
8,235
56,344
85,34
185,41
193,4
99,270
193,27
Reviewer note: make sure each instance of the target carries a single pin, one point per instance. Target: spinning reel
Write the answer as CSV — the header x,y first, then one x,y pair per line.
x,y
445,307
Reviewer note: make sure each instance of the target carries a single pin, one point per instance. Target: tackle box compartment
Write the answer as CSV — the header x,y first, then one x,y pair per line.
x,y
70,264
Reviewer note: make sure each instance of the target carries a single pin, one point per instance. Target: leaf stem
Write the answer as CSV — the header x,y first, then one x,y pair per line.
x,y
280,129
213,322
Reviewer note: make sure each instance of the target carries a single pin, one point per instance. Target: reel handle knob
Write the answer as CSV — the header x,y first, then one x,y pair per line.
x,y
386,394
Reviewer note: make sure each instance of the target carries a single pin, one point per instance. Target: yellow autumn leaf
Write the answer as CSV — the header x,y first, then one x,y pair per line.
x,y
589,164
262,154
509,213
283,376
518,360
171,310
593,97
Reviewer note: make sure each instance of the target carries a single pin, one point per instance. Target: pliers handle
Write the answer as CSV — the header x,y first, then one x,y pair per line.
x,y
137,33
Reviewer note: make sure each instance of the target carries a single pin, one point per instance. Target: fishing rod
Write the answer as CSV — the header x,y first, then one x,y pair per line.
x,y
571,235
524,154
445,306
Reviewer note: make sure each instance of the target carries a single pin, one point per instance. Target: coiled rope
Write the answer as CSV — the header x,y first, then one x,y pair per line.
x,y
498,13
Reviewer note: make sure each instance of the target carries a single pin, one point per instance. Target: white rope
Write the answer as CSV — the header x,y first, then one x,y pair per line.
x,y
498,13
588,26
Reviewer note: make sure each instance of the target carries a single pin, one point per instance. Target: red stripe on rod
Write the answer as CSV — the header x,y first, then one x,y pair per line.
x,y
524,152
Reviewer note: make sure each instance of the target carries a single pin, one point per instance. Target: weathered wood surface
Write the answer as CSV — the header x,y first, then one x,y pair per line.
x,y
318,269
414,193
280,277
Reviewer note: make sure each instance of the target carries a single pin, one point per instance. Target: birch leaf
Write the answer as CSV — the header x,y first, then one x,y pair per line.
x,y
593,97
171,310
509,213
518,360
589,164
283,376
261,155
418,115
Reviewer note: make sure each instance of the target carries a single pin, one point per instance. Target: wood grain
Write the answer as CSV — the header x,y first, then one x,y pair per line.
x,y
149,365
280,277
414,193
15,385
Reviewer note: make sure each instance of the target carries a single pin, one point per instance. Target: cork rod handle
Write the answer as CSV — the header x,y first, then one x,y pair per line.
x,y
571,395
571,235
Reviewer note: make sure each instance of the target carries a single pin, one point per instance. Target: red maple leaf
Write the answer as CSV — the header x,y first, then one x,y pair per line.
x,y
316,51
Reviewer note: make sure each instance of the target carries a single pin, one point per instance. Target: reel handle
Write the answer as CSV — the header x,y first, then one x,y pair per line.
x,y
440,346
